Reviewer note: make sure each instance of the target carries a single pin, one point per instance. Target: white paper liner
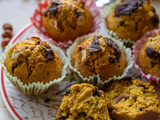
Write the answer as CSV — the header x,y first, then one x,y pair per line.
x,y
137,46
34,88
95,79
36,19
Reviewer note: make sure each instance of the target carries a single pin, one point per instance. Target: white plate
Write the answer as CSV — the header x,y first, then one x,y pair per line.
x,y
43,107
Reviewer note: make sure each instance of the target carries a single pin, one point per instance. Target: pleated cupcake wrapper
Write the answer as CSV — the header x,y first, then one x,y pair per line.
x,y
34,88
104,13
95,79
36,19
137,46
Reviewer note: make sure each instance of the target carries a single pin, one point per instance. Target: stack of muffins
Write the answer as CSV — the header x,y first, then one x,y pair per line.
x,y
33,66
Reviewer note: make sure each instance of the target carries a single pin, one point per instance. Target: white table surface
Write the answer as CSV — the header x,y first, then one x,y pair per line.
x,y
18,12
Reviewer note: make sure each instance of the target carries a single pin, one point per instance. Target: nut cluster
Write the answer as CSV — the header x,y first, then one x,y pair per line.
x,y
6,35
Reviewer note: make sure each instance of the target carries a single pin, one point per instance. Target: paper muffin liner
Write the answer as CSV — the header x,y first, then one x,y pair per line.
x,y
137,46
36,19
34,88
95,79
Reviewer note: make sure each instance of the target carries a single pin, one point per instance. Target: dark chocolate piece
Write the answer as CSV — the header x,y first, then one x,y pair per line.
x,y
96,92
94,47
78,13
151,53
53,9
155,20
128,7
49,54
140,109
68,92
110,43
120,97
111,59
47,100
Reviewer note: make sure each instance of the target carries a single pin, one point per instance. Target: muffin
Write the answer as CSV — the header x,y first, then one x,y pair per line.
x,y
65,20
83,102
149,56
131,99
130,19
32,60
99,55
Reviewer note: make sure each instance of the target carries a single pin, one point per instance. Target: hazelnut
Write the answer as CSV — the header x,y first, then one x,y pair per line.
x,y
4,42
7,26
7,33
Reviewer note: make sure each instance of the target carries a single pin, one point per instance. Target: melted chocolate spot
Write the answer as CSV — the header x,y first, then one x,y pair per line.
x,y
151,53
128,7
49,54
61,117
78,13
120,97
68,92
47,100
94,47
110,43
155,20
111,59
53,9
140,109
96,92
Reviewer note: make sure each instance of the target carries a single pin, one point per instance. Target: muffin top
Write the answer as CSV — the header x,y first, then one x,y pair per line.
x,y
153,47
33,60
72,11
95,55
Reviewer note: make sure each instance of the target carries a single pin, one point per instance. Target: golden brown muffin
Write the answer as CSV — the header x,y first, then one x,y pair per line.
x,y
149,56
32,60
130,19
83,102
132,100
65,20
98,55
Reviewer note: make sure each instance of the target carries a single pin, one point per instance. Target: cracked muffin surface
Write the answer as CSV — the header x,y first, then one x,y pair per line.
x,y
99,55
83,102
132,99
65,20
149,56
130,19
32,60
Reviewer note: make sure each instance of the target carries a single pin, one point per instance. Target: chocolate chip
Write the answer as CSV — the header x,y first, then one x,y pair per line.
x,y
111,59
97,64
78,13
155,20
5,42
122,23
47,100
120,97
7,33
112,44
140,109
94,47
61,117
53,9
151,53
96,92
7,26
128,7
68,92
49,54
80,48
